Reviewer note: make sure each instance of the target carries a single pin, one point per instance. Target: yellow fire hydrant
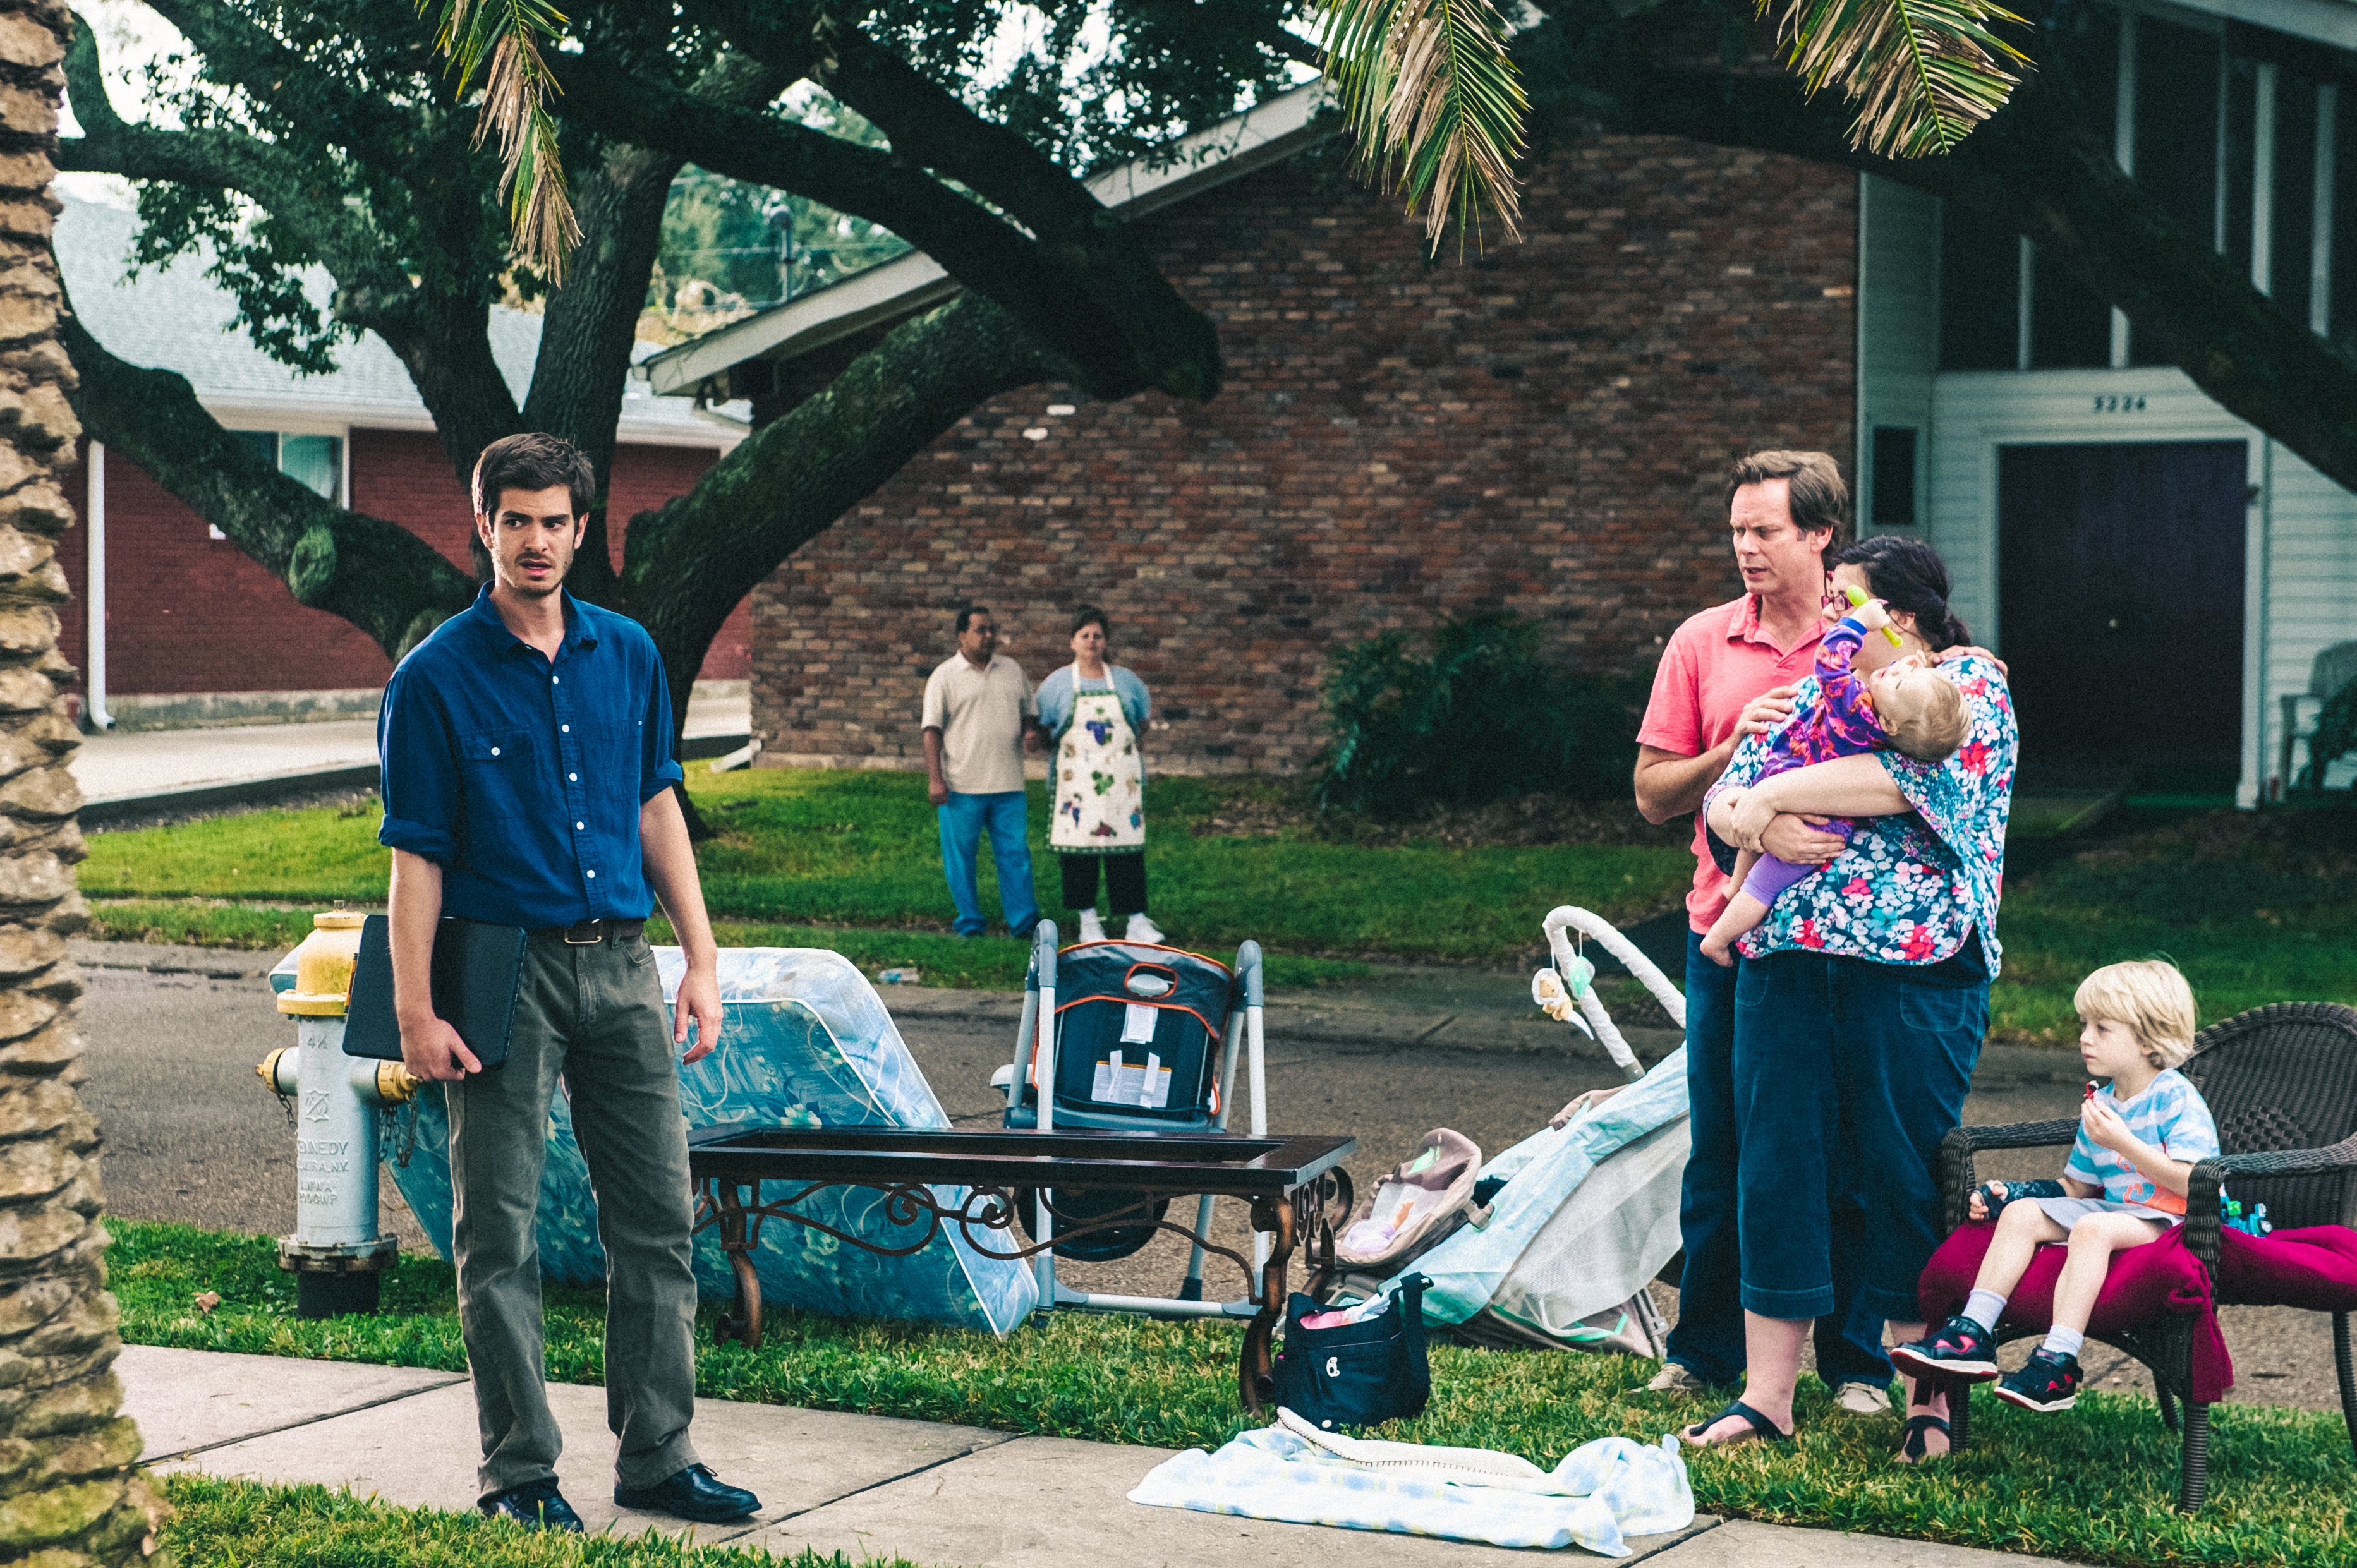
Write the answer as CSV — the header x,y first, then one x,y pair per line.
x,y
336,1254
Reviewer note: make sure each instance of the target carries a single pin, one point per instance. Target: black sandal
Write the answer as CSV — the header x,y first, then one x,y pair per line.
x,y
1762,1428
1913,1448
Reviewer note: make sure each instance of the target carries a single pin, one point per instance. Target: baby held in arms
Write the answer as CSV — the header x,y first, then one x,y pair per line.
x,y
1866,701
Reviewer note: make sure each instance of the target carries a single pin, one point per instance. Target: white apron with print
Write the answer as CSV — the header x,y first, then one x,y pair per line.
x,y
1100,782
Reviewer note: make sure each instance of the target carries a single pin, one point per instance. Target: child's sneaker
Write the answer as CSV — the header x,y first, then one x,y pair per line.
x,y
1959,1347
2047,1383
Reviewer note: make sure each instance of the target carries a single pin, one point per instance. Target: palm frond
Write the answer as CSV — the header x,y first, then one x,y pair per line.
x,y
1923,73
500,41
1434,103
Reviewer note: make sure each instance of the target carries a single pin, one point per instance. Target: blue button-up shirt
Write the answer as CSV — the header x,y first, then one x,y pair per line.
x,y
523,779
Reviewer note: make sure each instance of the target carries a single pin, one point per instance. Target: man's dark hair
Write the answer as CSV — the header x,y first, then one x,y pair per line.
x,y
1908,575
532,462
1818,497
965,616
1088,613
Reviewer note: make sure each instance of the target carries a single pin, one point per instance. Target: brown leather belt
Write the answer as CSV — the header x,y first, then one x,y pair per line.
x,y
589,933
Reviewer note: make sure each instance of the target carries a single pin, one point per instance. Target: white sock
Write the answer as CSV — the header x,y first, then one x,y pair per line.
x,y
1984,1308
2060,1341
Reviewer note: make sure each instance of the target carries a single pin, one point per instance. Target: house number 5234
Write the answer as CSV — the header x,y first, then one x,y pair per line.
x,y
2119,404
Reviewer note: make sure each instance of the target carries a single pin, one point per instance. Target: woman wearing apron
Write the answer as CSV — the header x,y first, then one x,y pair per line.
x,y
1095,716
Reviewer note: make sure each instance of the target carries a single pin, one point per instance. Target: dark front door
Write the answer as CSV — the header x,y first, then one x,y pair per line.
x,y
2120,584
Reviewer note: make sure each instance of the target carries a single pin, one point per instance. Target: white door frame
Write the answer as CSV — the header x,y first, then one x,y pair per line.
x,y
2183,414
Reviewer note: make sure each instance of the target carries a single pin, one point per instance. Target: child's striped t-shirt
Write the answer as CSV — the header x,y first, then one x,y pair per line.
x,y
2172,1117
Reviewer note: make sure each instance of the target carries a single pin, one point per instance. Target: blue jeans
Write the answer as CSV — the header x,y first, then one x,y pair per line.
x,y
965,818
1708,1338
1847,1075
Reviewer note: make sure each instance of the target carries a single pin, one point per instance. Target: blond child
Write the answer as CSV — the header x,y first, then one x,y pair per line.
x,y
1866,701
2124,1184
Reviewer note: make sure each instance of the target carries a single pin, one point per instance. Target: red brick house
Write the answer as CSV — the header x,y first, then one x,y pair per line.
x,y
1541,430
194,631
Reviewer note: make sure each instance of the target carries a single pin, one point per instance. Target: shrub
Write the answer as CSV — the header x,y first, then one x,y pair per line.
x,y
1485,716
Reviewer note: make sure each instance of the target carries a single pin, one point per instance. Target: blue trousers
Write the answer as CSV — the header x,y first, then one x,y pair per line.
x,y
1708,1338
965,818
1847,1075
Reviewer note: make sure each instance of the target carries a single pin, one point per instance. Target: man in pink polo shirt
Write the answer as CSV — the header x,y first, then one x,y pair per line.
x,y
1729,672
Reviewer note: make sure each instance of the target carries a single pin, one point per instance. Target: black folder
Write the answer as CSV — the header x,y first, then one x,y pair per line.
x,y
476,970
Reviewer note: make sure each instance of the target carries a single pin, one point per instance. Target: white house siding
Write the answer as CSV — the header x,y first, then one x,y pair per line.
x,y
1897,327
2300,584
2311,589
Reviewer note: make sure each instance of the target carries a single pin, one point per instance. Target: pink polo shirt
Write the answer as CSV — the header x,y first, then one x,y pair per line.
x,y
1716,664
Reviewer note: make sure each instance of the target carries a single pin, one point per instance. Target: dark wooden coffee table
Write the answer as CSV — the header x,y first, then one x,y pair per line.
x,y
1295,1183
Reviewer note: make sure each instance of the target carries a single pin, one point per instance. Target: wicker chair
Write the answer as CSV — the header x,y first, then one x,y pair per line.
x,y
2282,1083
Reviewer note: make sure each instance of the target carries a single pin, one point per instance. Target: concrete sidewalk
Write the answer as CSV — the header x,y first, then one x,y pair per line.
x,y
130,772
861,1485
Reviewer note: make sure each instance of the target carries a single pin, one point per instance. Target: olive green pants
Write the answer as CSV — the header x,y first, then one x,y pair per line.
x,y
592,1014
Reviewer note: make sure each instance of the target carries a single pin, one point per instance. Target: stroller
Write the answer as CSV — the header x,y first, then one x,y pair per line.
x,y
1133,1037
1566,1226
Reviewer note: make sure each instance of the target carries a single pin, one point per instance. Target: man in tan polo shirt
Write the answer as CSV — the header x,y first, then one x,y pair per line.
x,y
978,721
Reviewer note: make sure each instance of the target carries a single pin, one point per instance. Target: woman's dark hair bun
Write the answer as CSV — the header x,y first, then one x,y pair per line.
x,y
1908,575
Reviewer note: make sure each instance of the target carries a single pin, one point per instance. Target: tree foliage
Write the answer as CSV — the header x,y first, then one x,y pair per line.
x,y
730,246
498,43
1923,73
1435,98
1435,104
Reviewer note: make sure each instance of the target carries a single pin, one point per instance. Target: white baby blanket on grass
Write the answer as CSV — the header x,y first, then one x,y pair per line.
x,y
1602,1491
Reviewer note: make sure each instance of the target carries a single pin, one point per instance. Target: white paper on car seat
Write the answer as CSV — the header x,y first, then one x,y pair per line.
x,y
1146,1084
1138,1021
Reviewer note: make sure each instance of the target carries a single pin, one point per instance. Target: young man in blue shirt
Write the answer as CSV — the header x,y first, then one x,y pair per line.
x,y
528,773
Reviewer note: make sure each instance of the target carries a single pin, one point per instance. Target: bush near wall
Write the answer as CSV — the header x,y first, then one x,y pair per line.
x,y
1484,717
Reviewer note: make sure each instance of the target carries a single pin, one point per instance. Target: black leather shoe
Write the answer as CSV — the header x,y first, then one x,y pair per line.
x,y
535,1505
694,1493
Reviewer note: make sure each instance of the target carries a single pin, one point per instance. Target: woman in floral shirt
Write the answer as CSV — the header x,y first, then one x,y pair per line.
x,y
1860,1012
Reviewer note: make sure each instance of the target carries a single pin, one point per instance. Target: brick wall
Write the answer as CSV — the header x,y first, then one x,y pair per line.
x,y
1542,431
651,476
189,613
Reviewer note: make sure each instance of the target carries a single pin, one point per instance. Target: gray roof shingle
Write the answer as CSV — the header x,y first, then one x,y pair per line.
x,y
177,319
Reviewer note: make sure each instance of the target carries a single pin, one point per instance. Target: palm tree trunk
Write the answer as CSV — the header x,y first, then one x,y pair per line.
x,y
71,1491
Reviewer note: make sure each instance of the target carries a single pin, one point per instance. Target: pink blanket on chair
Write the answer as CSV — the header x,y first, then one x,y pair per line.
x,y
2314,1268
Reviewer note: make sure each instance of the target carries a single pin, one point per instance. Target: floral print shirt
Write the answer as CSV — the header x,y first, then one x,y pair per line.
x,y
1911,887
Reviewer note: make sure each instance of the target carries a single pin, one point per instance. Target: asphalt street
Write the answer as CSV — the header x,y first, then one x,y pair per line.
x,y
192,1135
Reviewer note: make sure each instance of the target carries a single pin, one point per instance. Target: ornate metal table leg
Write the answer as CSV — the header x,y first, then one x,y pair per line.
x,y
1254,1367
745,1320
1329,1205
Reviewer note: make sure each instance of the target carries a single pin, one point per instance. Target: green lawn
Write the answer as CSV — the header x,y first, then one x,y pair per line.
x,y
846,849
2256,907
236,1524
2095,1485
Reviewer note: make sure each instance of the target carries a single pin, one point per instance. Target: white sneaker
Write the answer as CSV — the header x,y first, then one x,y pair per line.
x,y
1675,1378
1862,1399
1141,930
1091,929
